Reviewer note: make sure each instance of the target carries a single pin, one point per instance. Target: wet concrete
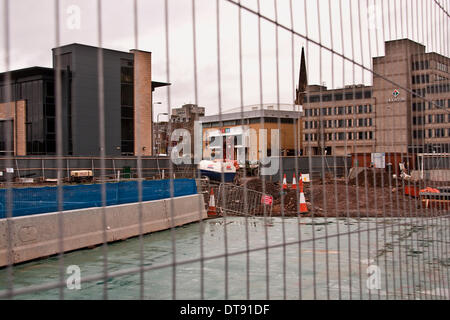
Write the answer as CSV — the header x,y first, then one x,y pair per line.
x,y
368,258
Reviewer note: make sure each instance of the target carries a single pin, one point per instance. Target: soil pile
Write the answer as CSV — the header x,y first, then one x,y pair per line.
x,y
339,199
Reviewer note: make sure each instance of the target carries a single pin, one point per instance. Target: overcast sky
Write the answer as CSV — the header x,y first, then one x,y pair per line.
x,y
364,28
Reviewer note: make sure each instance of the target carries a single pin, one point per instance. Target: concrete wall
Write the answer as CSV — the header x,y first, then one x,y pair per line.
x,y
37,236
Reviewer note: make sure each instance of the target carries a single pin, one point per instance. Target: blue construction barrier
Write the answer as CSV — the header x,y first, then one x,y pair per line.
x,y
28,201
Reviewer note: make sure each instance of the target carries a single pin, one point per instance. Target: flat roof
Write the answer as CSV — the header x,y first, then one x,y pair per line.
x,y
282,114
157,84
93,47
27,72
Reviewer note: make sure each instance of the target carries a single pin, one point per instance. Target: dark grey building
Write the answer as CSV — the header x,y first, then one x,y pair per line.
x,y
36,86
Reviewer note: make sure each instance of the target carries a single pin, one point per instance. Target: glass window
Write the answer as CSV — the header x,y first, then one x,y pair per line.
x,y
360,109
349,110
326,97
50,89
6,141
127,95
314,99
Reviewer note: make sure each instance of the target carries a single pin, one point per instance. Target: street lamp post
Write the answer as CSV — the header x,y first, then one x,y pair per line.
x,y
153,140
159,130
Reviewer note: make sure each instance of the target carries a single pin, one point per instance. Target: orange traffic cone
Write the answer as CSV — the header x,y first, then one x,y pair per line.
x,y
212,204
284,182
303,208
294,183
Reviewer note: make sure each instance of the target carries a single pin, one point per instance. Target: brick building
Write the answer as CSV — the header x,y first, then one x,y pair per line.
x,y
181,118
407,109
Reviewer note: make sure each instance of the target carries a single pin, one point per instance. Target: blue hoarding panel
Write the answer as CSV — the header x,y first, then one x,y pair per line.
x,y
27,201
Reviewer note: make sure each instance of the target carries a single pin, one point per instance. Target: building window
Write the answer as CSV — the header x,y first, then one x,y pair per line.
x,y
349,110
127,106
418,134
5,148
441,67
420,65
439,133
313,99
440,103
418,120
440,118
338,96
360,109
361,122
326,97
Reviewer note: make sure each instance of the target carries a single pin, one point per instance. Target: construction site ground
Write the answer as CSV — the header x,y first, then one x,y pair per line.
x,y
361,197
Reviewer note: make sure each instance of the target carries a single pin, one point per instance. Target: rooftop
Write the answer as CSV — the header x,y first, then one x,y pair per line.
x,y
257,111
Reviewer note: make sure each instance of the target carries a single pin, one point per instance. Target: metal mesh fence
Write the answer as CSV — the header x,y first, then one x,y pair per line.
x,y
325,144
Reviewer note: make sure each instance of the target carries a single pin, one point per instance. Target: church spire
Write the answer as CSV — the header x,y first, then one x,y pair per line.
x,y
302,81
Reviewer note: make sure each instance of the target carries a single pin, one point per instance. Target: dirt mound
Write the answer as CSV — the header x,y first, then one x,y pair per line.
x,y
270,188
373,178
377,199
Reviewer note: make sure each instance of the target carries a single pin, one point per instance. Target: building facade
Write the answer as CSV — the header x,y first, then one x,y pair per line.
x,y
338,121
125,90
407,109
225,134
27,112
181,118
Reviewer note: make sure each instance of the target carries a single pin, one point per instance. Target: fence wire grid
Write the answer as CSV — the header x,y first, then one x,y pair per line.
x,y
355,100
